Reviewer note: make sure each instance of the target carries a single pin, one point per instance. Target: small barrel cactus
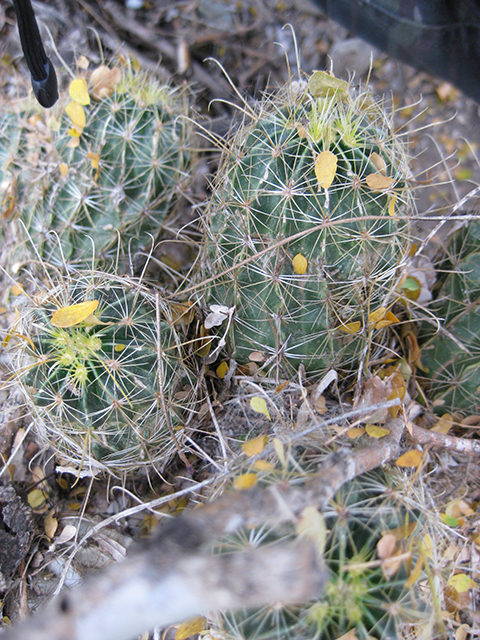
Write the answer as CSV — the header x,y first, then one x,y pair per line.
x,y
95,178
307,230
376,543
101,361
451,351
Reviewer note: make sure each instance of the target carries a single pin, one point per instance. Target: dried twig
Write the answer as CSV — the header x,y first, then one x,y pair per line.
x,y
174,575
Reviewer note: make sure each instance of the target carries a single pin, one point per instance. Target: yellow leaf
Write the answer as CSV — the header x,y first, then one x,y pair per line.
x,y
76,113
325,168
78,91
245,481
461,583
411,458
222,369
299,264
36,498
63,169
377,315
391,207
82,63
279,450
259,405
263,465
119,348
443,424
355,432
426,546
50,524
323,85
255,446
350,327
95,160
389,319
190,627
378,182
74,314
416,572
312,525
375,431
379,163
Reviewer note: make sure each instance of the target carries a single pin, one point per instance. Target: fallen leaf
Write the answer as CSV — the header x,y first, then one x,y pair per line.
x,y
323,84
103,82
190,627
222,369
259,405
263,465
325,168
443,424
36,498
245,481
50,524
374,431
76,113
391,207
68,532
255,446
412,458
219,313
299,264
74,314
379,163
386,546
355,432
78,91
63,169
415,573
95,160
350,327
461,582
378,182
312,525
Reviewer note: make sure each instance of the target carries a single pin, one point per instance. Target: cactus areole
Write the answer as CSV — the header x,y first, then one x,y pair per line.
x,y
307,230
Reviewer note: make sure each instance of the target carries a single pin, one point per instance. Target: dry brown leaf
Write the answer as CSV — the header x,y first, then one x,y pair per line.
x,y
103,82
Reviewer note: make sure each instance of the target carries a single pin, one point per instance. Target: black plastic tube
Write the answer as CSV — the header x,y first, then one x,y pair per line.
x,y
44,79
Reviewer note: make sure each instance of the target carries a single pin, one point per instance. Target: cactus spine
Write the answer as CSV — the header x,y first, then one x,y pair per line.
x,y
307,228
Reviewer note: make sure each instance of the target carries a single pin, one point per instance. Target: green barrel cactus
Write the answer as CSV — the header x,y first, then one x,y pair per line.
x,y
307,229
95,178
450,357
377,544
101,361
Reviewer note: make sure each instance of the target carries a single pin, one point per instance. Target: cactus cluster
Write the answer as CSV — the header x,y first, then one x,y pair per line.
x,y
94,179
451,342
307,230
377,545
102,362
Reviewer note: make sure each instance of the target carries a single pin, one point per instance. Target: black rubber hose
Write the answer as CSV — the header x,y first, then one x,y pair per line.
x,y
44,79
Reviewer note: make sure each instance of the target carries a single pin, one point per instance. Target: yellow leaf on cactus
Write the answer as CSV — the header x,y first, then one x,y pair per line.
x,y
190,627
350,327
323,85
325,168
76,113
73,314
259,405
391,207
78,91
63,169
379,182
379,163
299,264
103,82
